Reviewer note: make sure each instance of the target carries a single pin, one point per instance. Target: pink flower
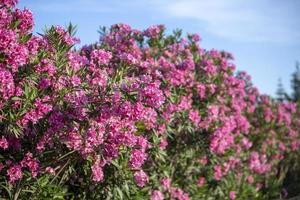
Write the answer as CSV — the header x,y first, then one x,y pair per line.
x,y
210,68
142,142
258,163
73,140
3,143
152,95
46,67
97,172
221,141
101,57
165,183
137,159
250,179
246,143
141,178
31,164
76,61
218,172
50,170
110,151
153,31
195,37
44,83
75,80
201,90
128,58
213,111
163,144
9,3
7,85
232,195
65,36
26,20
157,195
14,173
194,117
201,181
177,193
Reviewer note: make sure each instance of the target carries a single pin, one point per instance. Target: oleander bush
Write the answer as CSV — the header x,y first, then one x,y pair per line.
x,y
138,115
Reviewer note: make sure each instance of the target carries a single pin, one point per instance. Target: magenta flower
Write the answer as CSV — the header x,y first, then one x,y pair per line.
x,y
232,195
14,173
101,57
201,181
165,183
137,159
141,178
97,172
3,143
156,195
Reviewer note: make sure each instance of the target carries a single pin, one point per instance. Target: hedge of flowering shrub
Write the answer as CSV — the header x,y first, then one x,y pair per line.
x,y
138,115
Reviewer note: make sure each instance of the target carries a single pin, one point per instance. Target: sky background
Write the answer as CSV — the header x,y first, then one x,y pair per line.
x,y
263,35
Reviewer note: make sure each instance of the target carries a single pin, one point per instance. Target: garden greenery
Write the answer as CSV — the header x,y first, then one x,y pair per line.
x,y
138,115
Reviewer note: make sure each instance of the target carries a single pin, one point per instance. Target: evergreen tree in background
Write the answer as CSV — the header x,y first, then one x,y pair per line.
x,y
280,93
295,84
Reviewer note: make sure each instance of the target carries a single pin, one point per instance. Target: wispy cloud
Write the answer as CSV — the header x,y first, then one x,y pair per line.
x,y
252,21
238,20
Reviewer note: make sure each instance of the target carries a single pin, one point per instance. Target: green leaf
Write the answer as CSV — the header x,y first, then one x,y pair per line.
x,y
15,24
25,38
120,193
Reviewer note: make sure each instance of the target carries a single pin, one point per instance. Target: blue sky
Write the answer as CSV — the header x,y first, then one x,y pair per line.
x,y
263,35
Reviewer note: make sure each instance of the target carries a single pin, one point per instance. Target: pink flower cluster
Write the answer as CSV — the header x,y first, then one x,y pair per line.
x,y
258,163
141,178
14,172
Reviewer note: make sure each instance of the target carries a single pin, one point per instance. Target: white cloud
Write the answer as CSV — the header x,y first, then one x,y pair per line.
x,y
239,20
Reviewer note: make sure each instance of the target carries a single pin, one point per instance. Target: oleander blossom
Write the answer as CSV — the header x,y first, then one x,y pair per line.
x,y
201,181
9,3
14,173
97,172
153,31
157,195
152,95
100,57
7,85
232,195
141,178
177,193
50,170
258,163
31,164
65,36
3,143
137,159
165,183
26,20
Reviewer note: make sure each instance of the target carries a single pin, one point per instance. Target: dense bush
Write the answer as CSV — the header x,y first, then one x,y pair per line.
x,y
139,115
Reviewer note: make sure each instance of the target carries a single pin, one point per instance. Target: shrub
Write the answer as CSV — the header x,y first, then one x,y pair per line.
x,y
138,115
